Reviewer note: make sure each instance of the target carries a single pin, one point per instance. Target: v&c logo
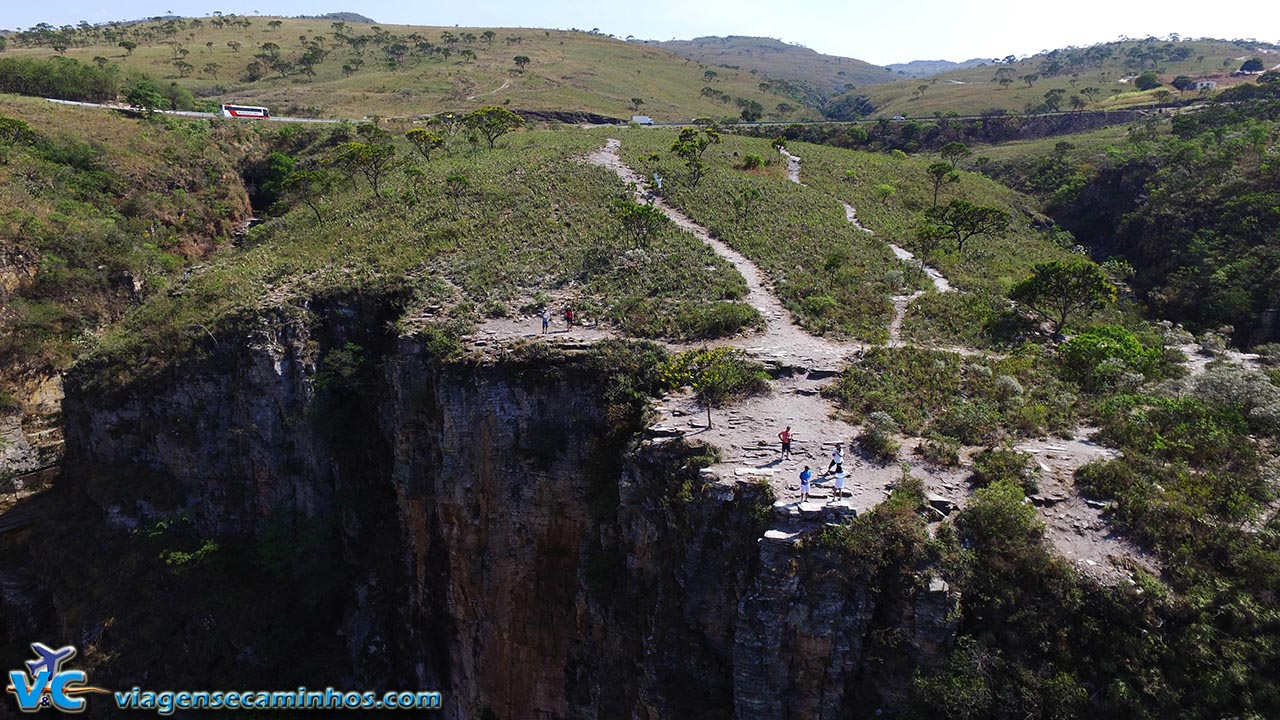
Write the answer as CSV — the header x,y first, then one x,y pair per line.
x,y
45,684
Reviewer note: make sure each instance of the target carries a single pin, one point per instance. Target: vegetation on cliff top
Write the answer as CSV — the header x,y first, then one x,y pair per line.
x,y
469,233
99,211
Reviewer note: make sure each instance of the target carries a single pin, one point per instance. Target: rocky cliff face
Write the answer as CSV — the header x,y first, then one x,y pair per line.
x,y
493,530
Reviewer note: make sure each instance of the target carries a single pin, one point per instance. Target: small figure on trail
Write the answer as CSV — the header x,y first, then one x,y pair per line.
x,y
657,183
805,476
785,437
839,486
546,319
568,316
837,461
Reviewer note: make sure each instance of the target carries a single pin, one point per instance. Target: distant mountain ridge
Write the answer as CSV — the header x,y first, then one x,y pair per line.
x,y
343,16
827,75
926,68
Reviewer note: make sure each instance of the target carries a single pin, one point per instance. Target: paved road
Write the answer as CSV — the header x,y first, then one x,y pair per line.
x,y
187,113
762,123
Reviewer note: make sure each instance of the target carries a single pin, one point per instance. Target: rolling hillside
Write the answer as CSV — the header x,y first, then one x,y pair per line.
x,y
826,74
1100,76
344,69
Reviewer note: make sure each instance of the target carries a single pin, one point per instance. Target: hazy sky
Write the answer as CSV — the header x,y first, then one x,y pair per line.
x,y
880,32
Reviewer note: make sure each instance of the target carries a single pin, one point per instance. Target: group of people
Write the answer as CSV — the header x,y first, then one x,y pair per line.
x,y
834,468
569,318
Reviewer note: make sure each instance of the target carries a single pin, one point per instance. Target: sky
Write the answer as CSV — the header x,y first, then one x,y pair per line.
x,y
881,32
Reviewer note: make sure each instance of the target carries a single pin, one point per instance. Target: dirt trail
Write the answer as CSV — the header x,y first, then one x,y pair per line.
x,y
746,434
1073,524
782,337
900,302
505,84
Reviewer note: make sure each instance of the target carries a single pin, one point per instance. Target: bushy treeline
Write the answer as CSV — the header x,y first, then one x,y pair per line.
x,y
931,134
63,78
1194,212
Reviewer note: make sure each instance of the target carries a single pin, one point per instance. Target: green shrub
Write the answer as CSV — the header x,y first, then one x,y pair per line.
x,y
939,450
974,422
995,465
876,440
997,514
752,161
1102,356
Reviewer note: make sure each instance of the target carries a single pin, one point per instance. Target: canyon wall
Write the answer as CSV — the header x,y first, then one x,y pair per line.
x,y
330,504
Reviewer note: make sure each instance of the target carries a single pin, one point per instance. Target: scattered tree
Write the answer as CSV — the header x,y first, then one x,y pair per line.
x,y
962,221
1030,79
689,146
128,45
640,222
1252,65
456,187
521,62
1059,290
745,201
884,191
941,173
954,152
425,141
1053,99
493,122
1148,80
309,187
717,375
145,95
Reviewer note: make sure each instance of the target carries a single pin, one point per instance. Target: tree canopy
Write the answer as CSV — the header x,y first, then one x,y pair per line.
x,y
1057,291
962,221
493,122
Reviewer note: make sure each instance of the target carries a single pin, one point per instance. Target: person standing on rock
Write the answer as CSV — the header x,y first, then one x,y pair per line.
x,y
546,320
785,437
805,476
568,316
839,486
837,462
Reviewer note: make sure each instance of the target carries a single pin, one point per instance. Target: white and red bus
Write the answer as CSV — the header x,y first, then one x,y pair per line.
x,y
244,111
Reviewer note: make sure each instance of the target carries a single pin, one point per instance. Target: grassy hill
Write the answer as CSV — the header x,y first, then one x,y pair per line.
x,y
826,74
354,70
1110,69
835,278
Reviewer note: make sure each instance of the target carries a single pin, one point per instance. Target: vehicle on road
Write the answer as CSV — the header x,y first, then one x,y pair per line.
x,y
244,111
